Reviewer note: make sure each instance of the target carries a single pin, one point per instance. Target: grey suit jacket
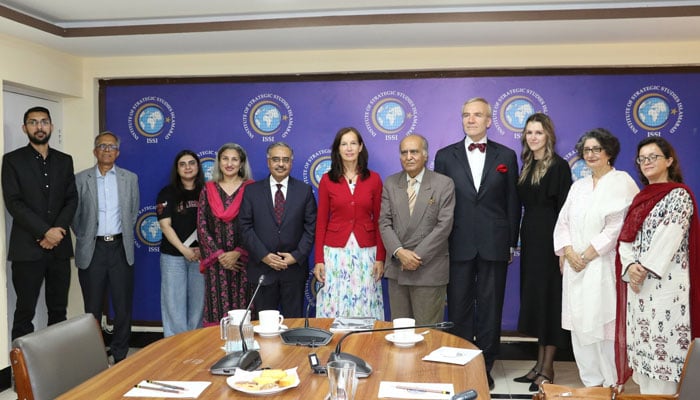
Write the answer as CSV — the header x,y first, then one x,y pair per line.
x,y
85,219
426,231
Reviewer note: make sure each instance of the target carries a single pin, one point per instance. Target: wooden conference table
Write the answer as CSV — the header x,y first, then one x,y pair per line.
x,y
188,356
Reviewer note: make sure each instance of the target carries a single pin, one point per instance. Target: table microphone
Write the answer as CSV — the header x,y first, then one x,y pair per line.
x,y
362,369
245,359
306,336
468,395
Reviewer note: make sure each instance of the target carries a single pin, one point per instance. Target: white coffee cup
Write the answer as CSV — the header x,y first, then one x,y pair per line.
x,y
404,334
270,320
237,315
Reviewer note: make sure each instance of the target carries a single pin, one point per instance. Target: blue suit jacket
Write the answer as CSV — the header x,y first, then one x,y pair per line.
x,y
485,222
262,235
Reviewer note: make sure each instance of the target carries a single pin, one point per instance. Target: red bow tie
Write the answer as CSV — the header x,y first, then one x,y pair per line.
x,y
480,146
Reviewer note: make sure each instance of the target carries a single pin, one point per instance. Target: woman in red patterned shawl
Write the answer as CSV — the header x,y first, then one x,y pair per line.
x,y
658,301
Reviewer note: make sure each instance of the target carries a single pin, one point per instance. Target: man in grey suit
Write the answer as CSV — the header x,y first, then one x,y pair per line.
x,y
39,191
415,223
108,204
485,229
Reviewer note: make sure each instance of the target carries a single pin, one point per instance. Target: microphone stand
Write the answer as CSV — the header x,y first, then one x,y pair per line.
x,y
362,368
245,359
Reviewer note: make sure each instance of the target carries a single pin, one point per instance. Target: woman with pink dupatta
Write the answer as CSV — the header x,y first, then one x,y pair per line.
x,y
223,259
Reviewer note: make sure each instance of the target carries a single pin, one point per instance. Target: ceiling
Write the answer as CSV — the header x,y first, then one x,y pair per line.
x,y
93,28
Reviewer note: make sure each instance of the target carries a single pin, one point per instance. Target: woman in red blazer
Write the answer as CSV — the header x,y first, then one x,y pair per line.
x,y
349,252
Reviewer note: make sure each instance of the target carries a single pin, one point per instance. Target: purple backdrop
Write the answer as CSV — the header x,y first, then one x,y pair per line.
x,y
156,120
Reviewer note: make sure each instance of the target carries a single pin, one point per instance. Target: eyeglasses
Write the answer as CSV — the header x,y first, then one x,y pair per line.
x,y
592,150
105,147
650,158
34,122
284,160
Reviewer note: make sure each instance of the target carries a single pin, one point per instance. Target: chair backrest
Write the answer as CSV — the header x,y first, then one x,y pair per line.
x,y
53,360
689,387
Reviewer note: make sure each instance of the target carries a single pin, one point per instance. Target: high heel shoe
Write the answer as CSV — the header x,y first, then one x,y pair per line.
x,y
535,385
526,378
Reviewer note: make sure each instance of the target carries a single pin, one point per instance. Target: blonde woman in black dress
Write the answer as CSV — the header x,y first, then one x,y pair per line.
x,y
543,185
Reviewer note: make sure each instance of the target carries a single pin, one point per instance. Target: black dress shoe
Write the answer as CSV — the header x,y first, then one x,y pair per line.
x,y
492,384
535,385
526,378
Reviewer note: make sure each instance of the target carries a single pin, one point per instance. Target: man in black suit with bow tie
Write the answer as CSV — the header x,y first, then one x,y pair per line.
x,y
485,231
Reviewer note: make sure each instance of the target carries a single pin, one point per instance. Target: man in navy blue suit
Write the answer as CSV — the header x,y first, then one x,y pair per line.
x,y
277,222
485,230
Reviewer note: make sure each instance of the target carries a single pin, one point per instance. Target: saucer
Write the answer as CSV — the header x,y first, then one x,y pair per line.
x,y
258,329
404,342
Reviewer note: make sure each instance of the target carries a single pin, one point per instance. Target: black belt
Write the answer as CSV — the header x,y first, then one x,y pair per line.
x,y
109,238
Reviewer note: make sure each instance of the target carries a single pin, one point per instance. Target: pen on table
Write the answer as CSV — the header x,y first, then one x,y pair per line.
x,y
160,389
426,390
166,385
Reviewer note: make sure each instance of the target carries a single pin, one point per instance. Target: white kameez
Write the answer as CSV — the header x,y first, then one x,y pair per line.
x,y
658,318
593,216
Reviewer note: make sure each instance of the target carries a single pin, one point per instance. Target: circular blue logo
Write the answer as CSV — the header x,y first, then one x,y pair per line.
x,y
267,117
579,169
207,167
151,119
390,115
653,112
320,167
516,112
149,229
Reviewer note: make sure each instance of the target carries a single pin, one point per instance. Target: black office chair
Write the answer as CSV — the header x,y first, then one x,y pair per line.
x,y
53,360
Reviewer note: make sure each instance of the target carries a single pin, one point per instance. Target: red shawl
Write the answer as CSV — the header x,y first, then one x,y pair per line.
x,y
217,206
640,208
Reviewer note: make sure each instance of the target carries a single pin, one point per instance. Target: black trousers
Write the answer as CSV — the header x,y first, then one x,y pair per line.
x,y
108,270
27,278
286,296
475,303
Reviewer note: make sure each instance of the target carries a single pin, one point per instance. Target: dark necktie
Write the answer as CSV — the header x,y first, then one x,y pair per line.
x,y
279,204
480,146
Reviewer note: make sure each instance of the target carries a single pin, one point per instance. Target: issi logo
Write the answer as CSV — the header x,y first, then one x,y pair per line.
x,y
151,118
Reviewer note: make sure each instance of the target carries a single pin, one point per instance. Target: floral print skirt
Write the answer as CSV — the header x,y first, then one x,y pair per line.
x,y
350,289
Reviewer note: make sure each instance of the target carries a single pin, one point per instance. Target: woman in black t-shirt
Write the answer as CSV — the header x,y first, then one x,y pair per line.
x,y
176,207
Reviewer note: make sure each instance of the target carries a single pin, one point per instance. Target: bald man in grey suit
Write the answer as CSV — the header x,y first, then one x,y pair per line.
x,y
108,205
415,234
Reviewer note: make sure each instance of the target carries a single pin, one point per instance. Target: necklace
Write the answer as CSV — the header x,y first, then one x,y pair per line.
x,y
350,178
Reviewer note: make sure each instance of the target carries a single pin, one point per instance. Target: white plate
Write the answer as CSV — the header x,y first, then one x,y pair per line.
x,y
404,342
258,329
244,376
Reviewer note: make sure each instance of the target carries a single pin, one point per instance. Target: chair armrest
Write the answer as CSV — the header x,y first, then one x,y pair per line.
x,y
624,396
22,385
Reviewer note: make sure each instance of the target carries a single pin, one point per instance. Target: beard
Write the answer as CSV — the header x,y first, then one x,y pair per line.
x,y
36,140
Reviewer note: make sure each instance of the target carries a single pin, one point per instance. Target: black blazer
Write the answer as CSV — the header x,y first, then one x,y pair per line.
x,y
485,222
33,213
262,235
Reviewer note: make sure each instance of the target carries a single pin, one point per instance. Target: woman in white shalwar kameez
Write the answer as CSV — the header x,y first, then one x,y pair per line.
x,y
585,237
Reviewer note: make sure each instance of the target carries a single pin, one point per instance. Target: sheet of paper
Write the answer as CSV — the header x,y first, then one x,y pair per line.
x,y
192,390
412,390
452,355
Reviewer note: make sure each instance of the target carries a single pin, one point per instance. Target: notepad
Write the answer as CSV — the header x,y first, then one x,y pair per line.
x,y
452,355
192,390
